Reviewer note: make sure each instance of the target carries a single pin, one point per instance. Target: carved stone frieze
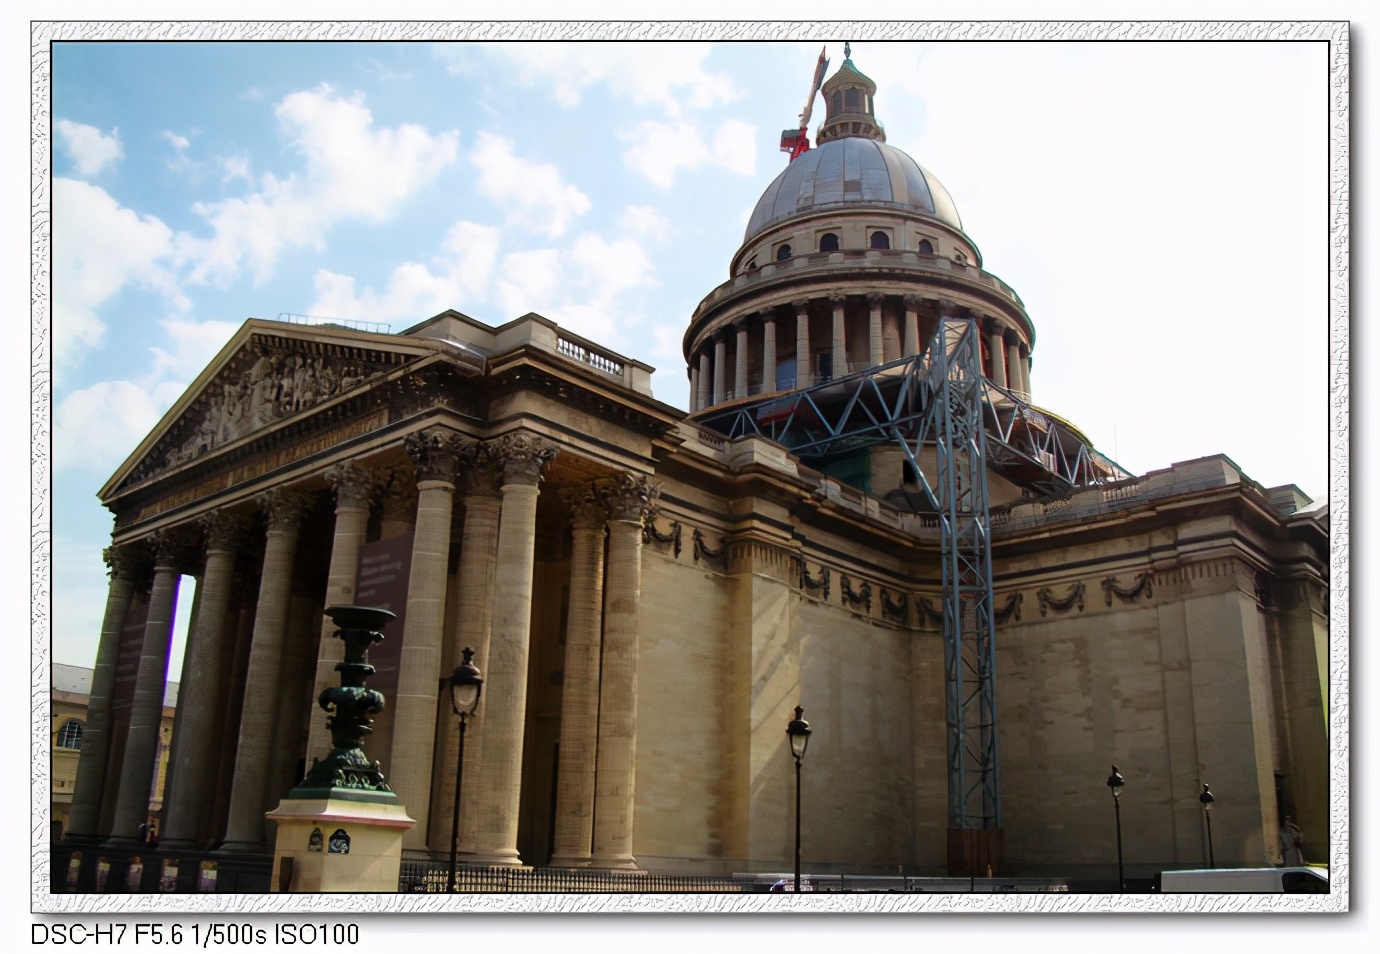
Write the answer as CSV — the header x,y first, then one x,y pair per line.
x,y
264,383
897,610
928,611
283,508
436,453
703,550
808,582
650,534
356,485
523,455
1012,608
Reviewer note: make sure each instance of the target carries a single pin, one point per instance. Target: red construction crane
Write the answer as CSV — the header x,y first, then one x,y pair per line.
x,y
796,141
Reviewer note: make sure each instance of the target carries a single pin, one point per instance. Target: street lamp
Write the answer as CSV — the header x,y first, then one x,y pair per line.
x,y
1207,800
798,731
465,685
1114,782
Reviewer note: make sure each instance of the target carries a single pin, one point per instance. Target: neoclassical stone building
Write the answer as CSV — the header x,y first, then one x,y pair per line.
x,y
649,600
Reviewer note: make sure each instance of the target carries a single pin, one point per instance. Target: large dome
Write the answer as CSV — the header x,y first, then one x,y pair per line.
x,y
852,171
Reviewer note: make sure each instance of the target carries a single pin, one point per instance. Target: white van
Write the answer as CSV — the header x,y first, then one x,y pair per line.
x,y
1245,881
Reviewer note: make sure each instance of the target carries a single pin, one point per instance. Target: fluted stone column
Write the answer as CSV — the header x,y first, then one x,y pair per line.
x,y
997,348
505,687
196,730
1013,360
702,387
139,767
838,357
240,633
740,363
768,351
483,476
910,334
1025,371
245,828
874,328
436,453
720,364
580,685
803,378
84,815
628,500
355,487
694,388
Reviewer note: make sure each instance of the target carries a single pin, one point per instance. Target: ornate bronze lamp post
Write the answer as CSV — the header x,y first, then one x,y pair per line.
x,y
350,706
1207,800
798,730
1114,782
466,683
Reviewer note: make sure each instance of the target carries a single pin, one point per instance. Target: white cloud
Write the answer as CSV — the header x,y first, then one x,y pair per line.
x,y
88,148
97,427
98,248
534,193
353,171
671,75
192,345
659,150
645,220
606,269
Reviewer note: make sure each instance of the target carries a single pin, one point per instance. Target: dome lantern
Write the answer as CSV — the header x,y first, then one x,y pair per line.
x,y
849,107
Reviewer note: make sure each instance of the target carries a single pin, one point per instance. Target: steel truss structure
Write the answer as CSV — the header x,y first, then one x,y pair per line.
x,y
941,397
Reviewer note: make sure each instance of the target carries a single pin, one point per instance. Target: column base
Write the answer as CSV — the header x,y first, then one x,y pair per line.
x,y
242,848
505,858
569,861
616,863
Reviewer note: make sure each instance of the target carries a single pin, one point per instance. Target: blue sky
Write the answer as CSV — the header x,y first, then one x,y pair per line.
x,y
1160,207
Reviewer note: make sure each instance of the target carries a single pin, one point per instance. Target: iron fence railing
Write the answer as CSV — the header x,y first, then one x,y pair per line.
x,y
430,877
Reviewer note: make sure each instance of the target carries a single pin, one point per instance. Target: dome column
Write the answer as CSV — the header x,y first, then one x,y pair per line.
x,y
768,350
1025,370
1013,360
740,362
702,385
838,362
874,328
996,345
803,378
910,340
720,362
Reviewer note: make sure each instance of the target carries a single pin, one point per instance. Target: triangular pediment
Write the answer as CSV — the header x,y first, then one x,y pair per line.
x,y
267,373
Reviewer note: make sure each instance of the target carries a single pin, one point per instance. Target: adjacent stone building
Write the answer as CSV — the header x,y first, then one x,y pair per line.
x,y
649,600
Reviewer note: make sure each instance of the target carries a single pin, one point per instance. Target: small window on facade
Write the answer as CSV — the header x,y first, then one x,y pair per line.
x,y
960,255
69,736
828,242
783,253
851,99
926,247
909,475
751,265
880,240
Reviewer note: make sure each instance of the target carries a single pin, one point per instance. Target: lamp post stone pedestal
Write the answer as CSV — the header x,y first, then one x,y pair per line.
x,y
341,827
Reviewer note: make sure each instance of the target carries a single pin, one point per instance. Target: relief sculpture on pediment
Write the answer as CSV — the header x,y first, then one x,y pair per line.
x,y
265,383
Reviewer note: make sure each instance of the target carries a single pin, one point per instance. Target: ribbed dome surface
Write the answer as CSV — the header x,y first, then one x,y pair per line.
x,y
852,171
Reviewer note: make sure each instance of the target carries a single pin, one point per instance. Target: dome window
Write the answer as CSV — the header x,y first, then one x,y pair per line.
x,y
880,240
828,242
925,247
838,101
783,253
852,100
69,736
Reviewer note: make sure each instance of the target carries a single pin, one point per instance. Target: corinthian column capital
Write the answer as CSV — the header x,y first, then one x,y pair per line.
x,y
123,562
436,452
174,547
481,469
523,455
355,485
629,496
587,510
224,529
284,508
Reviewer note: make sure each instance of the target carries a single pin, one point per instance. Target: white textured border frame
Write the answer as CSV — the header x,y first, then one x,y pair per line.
x,y
1336,34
